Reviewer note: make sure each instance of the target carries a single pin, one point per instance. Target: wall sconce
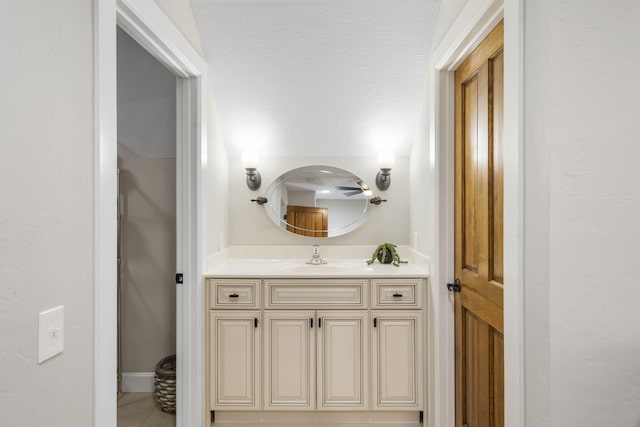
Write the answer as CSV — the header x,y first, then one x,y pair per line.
x,y
250,164
386,161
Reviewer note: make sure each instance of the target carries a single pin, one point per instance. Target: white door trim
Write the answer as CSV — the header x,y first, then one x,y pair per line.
x,y
471,26
147,24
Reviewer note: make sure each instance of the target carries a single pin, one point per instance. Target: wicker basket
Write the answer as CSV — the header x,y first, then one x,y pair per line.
x,y
165,389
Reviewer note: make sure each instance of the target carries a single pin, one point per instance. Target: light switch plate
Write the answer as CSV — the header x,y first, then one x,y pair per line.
x,y
50,333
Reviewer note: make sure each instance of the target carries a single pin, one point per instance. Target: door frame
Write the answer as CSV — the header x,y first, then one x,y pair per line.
x,y
476,19
145,22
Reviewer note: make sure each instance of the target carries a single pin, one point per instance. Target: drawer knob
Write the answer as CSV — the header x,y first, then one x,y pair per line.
x,y
234,296
396,295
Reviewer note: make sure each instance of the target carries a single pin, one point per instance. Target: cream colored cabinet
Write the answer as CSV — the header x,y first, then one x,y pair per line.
x,y
315,360
234,360
397,359
315,346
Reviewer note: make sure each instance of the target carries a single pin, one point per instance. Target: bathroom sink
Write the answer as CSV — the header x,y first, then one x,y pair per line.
x,y
315,269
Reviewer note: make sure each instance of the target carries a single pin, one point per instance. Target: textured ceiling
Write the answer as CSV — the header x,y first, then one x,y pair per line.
x,y
306,78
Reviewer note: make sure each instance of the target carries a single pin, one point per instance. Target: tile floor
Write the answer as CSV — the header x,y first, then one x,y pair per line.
x,y
140,410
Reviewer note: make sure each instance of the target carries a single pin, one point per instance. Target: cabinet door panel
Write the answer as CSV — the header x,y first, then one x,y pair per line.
x,y
234,364
289,352
343,353
397,359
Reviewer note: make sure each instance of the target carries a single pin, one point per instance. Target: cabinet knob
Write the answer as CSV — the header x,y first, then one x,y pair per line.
x,y
234,296
396,295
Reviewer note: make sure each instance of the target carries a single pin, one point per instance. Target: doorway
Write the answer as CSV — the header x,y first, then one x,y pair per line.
x,y
479,271
146,213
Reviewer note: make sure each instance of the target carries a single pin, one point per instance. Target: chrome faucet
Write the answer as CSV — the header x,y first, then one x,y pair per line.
x,y
315,256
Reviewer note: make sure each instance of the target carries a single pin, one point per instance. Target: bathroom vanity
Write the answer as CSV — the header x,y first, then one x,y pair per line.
x,y
333,343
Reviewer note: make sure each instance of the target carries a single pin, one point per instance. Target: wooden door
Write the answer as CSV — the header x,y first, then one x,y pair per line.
x,y
234,360
478,236
290,357
343,353
397,359
308,221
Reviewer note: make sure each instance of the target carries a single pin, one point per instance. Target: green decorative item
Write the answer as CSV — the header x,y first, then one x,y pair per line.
x,y
386,254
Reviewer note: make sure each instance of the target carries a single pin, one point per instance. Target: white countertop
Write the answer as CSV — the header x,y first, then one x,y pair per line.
x,y
283,268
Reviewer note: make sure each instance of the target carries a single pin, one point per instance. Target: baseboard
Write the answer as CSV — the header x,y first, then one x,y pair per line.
x,y
294,418
138,382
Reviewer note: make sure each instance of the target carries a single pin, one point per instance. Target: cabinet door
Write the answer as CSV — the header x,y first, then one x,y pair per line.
x,y
289,360
397,359
343,354
234,364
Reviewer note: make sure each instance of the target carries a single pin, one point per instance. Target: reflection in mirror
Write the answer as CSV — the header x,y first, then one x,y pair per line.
x,y
318,201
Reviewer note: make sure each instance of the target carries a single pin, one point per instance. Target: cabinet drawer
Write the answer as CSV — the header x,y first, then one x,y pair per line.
x,y
397,293
229,294
316,293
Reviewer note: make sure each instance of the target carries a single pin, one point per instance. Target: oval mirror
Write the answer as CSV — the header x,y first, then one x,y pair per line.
x,y
318,201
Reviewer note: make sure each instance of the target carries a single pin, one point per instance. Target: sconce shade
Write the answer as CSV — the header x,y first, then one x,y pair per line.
x,y
386,160
250,160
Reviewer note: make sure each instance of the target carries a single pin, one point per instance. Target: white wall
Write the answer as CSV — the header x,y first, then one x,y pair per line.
x,y
181,14
217,184
302,198
447,13
422,186
249,224
46,209
146,102
148,207
341,212
581,120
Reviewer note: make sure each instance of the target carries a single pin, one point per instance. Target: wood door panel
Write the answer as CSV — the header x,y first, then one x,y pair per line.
x,y
486,49
496,70
497,375
483,365
479,318
470,175
476,373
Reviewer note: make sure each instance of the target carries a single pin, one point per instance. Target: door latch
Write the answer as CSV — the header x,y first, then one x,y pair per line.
x,y
455,286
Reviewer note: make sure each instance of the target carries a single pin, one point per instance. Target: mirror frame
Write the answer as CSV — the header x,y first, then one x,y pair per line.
x,y
277,183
